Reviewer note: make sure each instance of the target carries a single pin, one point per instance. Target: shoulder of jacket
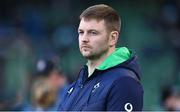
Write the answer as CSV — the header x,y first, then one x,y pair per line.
x,y
116,73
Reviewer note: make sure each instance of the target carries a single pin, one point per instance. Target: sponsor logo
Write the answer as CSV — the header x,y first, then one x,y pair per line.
x,y
128,107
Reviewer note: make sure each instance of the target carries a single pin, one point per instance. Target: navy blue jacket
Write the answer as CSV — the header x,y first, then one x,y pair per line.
x,y
116,88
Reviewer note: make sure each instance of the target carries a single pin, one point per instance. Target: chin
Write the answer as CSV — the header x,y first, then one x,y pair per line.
x,y
90,57
86,55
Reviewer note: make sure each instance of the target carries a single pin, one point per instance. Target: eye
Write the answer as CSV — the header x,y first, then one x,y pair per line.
x,y
80,32
93,32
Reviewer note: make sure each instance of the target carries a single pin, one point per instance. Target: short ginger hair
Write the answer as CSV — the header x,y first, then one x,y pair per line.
x,y
103,12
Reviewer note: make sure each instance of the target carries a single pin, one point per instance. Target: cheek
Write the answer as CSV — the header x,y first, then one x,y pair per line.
x,y
99,47
101,44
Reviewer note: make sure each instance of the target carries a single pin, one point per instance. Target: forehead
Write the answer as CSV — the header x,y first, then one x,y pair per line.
x,y
91,24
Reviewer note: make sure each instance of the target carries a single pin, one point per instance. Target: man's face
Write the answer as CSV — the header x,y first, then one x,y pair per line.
x,y
93,38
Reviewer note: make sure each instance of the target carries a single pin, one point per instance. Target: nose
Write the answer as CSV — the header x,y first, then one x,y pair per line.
x,y
84,38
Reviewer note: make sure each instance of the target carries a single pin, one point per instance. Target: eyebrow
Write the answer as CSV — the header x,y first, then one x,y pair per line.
x,y
93,30
88,30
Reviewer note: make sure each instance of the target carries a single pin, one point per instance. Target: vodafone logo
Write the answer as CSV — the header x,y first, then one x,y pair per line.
x,y
128,107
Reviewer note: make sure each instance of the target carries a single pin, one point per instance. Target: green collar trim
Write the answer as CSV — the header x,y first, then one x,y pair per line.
x,y
118,56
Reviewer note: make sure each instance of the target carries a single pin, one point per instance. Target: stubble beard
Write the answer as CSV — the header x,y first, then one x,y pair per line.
x,y
94,55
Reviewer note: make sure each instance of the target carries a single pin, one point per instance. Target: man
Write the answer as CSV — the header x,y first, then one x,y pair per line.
x,y
47,87
55,80
110,79
170,98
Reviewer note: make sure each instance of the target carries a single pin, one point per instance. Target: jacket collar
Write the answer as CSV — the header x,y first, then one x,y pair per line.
x,y
120,55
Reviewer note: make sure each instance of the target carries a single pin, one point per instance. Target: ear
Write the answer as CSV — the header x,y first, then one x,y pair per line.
x,y
113,38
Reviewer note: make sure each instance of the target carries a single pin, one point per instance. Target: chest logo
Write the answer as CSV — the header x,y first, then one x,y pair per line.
x,y
70,90
128,107
96,86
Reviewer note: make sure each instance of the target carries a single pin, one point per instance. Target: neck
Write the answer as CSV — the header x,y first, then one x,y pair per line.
x,y
93,63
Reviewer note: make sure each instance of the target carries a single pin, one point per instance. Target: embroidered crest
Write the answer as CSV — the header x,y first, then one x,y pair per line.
x,y
96,86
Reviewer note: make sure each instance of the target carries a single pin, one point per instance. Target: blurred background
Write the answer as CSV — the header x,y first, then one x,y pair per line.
x,y
38,38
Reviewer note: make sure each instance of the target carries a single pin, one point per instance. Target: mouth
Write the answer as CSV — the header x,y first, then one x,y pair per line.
x,y
85,46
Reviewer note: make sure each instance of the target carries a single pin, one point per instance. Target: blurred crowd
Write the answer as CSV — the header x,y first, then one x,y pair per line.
x,y
39,53
33,41
169,26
